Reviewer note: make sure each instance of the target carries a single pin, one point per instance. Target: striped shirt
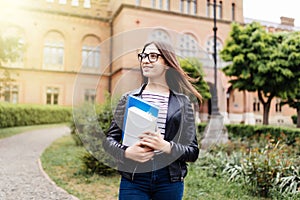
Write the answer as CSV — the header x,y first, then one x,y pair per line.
x,y
161,101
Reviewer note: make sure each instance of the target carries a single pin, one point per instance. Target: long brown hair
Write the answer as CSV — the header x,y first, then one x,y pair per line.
x,y
176,77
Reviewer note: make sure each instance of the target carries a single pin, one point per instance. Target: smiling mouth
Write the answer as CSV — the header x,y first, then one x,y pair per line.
x,y
147,67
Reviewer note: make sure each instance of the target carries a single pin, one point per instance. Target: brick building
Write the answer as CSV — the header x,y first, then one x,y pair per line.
x,y
76,50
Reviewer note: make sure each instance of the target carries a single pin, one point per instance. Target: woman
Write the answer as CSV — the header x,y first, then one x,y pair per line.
x,y
155,167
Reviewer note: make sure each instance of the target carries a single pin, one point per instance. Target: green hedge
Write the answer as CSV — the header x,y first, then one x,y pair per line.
x,y
12,115
251,131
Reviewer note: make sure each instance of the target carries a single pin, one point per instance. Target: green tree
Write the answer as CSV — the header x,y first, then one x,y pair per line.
x,y
253,67
10,49
193,67
290,54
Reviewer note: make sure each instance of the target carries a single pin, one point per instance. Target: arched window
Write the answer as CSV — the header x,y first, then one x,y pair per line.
x,y
188,6
188,46
90,52
53,51
220,10
233,11
17,35
160,35
210,9
210,47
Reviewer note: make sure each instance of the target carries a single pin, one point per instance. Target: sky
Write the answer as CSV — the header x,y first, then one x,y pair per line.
x,y
272,10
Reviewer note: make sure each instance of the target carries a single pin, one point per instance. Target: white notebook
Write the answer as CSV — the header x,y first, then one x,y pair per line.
x,y
137,122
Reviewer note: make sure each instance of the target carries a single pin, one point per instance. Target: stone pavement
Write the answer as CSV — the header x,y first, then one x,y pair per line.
x,y
21,175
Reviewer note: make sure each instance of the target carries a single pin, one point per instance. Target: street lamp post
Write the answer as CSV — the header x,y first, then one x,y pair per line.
x,y
215,131
214,100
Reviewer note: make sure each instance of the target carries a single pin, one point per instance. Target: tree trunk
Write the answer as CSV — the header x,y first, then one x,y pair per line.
x,y
266,113
298,117
266,105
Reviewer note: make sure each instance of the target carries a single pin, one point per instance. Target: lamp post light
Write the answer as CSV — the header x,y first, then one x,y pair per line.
x,y
215,131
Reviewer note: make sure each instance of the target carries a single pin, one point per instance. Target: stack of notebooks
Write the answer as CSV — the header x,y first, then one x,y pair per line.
x,y
140,116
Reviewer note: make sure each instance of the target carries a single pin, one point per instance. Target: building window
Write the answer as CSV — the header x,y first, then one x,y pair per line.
x,y
11,94
160,35
18,61
278,105
188,46
210,47
256,105
90,56
75,2
153,3
194,5
210,9
181,6
62,2
188,6
14,36
167,5
220,10
90,95
137,2
87,4
233,11
52,95
53,55
159,4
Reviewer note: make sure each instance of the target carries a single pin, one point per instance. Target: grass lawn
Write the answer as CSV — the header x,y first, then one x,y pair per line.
x,y
62,163
7,132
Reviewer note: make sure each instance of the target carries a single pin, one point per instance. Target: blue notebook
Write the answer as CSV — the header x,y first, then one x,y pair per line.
x,y
140,116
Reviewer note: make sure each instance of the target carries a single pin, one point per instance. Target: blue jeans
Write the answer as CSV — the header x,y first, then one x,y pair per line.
x,y
154,185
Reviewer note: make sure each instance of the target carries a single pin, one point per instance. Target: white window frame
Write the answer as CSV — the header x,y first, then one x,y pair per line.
x,y
91,56
75,3
87,4
53,55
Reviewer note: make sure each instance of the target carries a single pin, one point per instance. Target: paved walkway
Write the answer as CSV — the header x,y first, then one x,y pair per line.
x,y
21,176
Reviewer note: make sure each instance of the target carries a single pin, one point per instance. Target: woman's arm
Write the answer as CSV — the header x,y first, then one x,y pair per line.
x,y
185,145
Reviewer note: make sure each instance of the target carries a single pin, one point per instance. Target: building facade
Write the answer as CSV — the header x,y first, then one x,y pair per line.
x,y
77,51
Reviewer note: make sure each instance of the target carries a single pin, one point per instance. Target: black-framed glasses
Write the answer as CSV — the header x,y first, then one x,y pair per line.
x,y
152,57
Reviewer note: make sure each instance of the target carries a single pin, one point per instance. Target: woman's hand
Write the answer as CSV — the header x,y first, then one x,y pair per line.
x,y
155,141
139,153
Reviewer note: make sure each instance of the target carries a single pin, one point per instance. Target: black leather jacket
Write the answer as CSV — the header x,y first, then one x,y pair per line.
x,y
180,132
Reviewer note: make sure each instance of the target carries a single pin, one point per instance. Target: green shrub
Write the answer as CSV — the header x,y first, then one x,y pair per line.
x,y
88,129
246,132
266,171
12,115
